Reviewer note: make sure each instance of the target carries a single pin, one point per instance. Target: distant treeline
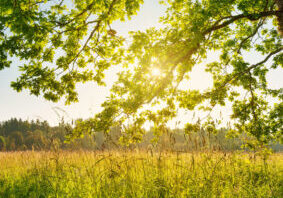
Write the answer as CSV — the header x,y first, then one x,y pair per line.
x,y
16,134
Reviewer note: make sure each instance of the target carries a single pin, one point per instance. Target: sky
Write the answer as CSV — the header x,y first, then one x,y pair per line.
x,y
25,106
28,107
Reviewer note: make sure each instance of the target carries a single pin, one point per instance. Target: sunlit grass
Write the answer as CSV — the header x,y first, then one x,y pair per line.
x,y
130,174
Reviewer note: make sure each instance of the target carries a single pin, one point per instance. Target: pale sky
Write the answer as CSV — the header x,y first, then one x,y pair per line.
x,y
22,105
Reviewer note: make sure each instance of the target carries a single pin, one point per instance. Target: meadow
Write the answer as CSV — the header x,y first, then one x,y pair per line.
x,y
139,174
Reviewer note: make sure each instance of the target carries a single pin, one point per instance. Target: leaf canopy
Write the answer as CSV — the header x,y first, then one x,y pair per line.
x,y
36,30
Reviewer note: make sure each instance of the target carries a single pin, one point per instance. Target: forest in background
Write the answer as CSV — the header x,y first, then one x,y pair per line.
x,y
17,135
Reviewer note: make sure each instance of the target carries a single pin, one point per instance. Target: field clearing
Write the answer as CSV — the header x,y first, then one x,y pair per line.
x,y
132,174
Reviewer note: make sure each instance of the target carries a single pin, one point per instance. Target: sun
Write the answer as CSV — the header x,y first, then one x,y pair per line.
x,y
156,72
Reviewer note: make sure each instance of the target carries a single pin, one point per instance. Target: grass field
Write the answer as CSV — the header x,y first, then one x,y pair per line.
x,y
130,174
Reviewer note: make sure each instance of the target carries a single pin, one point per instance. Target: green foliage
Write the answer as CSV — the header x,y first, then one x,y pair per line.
x,y
36,140
32,135
2,143
35,31
192,30
16,138
37,135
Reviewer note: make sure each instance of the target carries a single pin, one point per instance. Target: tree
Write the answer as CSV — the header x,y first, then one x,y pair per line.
x,y
36,140
2,143
16,138
192,29
33,30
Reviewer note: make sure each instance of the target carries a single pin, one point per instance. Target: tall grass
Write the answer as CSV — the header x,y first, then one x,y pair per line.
x,y
132,174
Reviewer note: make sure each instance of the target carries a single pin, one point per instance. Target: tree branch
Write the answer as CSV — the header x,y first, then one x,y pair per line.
x,y
237,75
92,32
250,36
78,15
252,17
